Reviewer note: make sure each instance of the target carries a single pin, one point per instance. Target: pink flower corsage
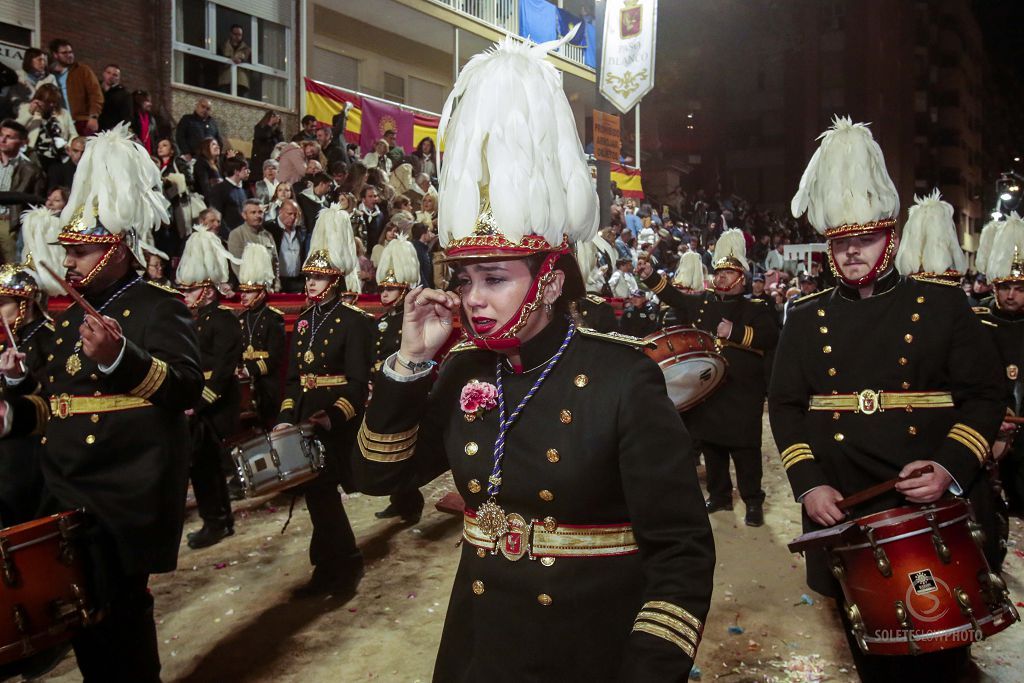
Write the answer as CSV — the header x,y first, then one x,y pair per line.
x,y
477,398
301,326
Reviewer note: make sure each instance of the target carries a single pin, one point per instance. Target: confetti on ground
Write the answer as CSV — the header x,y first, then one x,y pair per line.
x,y
695,673
735,630
802,669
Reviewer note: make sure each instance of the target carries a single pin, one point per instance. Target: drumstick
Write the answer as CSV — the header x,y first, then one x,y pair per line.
x,y
1014,420
80,300
879,489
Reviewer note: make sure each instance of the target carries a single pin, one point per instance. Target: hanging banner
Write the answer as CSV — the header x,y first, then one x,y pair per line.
x,y
607,140
627,58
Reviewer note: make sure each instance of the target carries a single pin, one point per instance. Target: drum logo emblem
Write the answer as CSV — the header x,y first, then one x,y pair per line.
x,y
923,582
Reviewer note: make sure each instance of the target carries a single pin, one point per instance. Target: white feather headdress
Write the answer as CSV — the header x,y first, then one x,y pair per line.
x,y
1006,261
117,194
514,177
988,233
731,251
332,247
929,243
204,260
39,229
399,265
690,273
257,269
846,189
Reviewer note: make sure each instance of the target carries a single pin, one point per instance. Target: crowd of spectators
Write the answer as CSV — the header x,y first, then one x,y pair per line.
x,y
52,104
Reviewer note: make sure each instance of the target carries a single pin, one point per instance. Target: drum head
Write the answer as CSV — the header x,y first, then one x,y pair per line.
x,y
691,380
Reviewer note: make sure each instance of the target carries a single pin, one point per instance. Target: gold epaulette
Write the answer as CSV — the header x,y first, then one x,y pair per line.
x,y
981,310
756,301
989,323
276,310
357,310
618,338
165,288
808,297
594,299
48,325
464,345
934,281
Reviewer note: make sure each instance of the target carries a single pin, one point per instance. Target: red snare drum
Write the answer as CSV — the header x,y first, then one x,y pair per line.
x,y
691,362
42,585
915,579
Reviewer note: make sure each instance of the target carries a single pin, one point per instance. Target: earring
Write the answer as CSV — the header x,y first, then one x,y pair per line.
x,y
548,308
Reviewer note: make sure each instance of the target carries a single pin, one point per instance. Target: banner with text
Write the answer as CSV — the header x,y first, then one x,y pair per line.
x,y
627,59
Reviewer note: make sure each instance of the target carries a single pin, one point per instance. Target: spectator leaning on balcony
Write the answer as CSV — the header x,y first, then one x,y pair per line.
x,y
237,51
79,87
117,103
195,127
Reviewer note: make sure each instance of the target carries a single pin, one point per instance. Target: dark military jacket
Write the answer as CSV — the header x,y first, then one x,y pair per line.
x,y
597,314
330,339
220,352
389,335
263,353
731,415
21,477
638,322
598,443
128,467
912,335
1007,332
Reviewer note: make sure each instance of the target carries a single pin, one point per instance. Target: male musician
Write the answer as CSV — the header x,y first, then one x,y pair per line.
x,y
262,333
397,271
328,376
113,404
21,479
728,423
204,268
877,377
639,316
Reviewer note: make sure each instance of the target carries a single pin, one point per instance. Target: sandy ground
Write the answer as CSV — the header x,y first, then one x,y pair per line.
x,y
225,614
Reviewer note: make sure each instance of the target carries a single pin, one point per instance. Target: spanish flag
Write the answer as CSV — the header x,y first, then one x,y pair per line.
x,y
325,101
628,181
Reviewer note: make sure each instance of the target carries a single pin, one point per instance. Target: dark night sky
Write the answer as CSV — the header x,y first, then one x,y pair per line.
x,y
1001,23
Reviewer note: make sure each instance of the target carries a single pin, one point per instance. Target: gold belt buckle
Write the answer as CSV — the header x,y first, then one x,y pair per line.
x,y
868,401
309,381
516,541
63,406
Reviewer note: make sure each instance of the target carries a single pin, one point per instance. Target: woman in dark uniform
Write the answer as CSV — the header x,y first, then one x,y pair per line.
x,y
588,554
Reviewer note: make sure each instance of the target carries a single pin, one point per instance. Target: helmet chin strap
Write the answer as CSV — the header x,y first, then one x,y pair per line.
x,y
100,265
322,296
504,339
725,290
881,264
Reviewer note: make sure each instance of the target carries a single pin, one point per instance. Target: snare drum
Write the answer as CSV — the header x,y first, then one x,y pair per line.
x,y
275,461
691,362
43,596
915,579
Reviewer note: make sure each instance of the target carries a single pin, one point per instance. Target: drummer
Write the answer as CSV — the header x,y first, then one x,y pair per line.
x,y
728,423
327,381
263,338
21,479
878,376
397,271
689,279
202,270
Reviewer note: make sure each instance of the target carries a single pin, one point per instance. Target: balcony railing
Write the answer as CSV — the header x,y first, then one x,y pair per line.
x,y
504,15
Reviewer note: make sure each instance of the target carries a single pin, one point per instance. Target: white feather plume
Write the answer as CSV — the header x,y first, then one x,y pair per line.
x,y
1007,246
204,258
333,232
510,140
257,267
690,273
732,243
399,257
988,233
846,181
117,177
39,229
929,242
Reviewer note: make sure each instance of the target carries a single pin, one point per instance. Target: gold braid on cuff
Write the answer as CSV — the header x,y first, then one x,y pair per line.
x,y
970,439
378,447
796,453
672,623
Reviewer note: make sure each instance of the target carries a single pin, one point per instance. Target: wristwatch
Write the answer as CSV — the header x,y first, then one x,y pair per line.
x,y
414,366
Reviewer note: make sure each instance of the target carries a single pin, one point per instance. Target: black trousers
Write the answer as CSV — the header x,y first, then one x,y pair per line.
x,y
332,548
207,474
121,647
748,472
407,502
934,667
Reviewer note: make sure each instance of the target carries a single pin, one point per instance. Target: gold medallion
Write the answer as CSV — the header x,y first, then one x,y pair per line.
x,y
492,520
250,350
1012,372
308,357
73,364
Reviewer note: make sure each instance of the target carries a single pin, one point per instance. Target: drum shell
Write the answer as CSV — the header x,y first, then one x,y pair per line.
x,y
678,347
926,585
280,460
48,594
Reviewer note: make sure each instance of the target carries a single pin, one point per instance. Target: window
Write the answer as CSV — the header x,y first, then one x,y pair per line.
x,y
17,30
336,69
205,55
394,87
